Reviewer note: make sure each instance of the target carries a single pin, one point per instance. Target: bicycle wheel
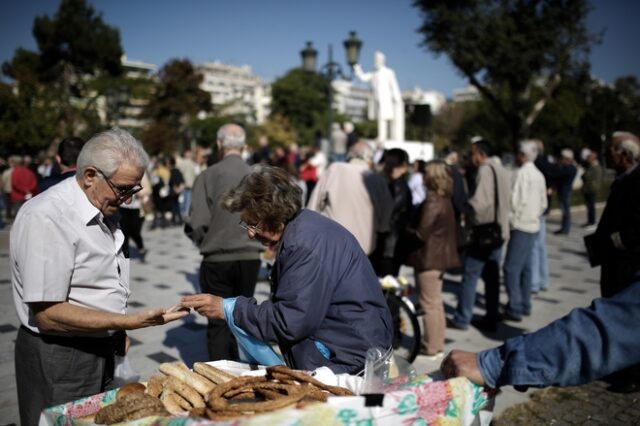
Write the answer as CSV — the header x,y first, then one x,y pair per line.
x,y
406,329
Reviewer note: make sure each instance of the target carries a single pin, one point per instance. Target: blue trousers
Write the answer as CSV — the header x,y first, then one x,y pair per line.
x,y
565,206
485,263
517,271
538,260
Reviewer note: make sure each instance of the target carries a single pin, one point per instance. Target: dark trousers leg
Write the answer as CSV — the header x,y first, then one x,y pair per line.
x,y
131,224
565,206
491,278
49,374
590,203
226,279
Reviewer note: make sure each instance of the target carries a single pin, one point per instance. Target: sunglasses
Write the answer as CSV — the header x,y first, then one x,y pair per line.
x,y
121,191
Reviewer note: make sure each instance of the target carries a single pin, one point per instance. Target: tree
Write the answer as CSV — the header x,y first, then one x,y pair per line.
x,y
515,52
277,129
55,95
175,104
301,97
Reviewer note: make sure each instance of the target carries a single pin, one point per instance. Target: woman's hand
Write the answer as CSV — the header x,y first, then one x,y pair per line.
x,y
207,305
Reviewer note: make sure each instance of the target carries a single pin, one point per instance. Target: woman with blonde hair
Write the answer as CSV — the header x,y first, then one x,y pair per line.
x,y
438,252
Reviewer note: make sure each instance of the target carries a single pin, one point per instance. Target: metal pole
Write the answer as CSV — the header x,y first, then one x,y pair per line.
x,y
330,76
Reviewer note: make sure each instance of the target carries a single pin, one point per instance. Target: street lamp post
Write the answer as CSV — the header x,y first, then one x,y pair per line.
x,y
330,71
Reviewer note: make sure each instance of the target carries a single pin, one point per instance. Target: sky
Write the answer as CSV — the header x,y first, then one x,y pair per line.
x,y
269,34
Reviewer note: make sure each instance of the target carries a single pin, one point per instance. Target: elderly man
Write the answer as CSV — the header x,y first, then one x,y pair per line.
x,y
71,279
355,197
617,238
230,260
528,203
618,235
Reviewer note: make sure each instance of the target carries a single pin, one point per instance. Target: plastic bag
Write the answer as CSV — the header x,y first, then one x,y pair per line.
x,y
382,368
251,349
123,372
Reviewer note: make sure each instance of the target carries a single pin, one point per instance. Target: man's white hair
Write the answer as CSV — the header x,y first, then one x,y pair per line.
x,y
529,148
362,151
630,147
107,151
232,136
567,153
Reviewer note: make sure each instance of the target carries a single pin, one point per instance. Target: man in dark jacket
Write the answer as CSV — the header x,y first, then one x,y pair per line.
x,y
563,176
617,238
230,260
68,152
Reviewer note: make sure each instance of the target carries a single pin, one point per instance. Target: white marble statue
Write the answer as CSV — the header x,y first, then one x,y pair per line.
x,y
386,105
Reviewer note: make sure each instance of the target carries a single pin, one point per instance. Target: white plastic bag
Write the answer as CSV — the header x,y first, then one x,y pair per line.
x,y
124,372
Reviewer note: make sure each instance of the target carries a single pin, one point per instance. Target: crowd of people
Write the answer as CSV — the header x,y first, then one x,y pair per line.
x,y
331,228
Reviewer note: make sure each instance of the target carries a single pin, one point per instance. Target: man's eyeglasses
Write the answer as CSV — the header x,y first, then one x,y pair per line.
x,y
121,191
253,228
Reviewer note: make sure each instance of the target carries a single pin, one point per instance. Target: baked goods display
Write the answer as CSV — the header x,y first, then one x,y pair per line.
x,y
215,394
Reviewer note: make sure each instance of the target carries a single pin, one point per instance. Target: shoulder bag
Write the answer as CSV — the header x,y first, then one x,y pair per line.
x,y
488,235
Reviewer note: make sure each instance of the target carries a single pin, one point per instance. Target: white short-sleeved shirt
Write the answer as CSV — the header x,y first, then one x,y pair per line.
x,y
61,250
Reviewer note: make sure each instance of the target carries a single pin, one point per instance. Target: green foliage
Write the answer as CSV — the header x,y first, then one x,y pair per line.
x,y
301,97
277,129
367,129
160,138
175,103
77,36
515,52
55,95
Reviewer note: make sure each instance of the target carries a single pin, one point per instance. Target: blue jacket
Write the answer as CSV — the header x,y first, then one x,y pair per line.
x,y
323,289
583,346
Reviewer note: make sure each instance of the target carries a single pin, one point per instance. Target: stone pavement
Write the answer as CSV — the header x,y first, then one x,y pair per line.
x,y
172,271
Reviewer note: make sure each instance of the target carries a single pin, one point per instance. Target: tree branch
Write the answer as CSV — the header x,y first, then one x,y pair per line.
x,y
551,87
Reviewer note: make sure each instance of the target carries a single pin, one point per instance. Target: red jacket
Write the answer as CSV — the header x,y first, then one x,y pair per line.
x,y
24,184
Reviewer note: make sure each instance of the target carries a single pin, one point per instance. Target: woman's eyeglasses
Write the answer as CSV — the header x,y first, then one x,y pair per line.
x,y
253,228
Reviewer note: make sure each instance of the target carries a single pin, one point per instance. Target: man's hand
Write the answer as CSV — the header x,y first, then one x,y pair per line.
x,y
207,305
151,317
460,363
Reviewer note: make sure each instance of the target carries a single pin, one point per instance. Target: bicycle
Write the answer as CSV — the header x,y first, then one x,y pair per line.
x,y
407,336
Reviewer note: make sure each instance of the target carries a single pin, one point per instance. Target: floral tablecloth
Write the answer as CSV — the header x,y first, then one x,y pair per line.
x,y
422,401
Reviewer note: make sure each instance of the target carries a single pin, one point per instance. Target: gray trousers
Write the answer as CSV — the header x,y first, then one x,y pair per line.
x,y
52,370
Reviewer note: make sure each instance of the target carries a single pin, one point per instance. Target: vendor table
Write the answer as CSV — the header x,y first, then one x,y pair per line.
x,y
421,401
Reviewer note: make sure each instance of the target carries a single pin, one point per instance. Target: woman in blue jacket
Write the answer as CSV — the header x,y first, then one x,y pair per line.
x,y
326,307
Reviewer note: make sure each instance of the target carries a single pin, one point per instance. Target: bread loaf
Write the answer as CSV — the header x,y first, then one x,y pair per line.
x,y
181,372
130,388
212,373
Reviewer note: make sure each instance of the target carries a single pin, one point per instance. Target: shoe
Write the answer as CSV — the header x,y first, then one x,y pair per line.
x,y
143,255
485,324
456,325
560,232
433,357
509,316
587,225
630,386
